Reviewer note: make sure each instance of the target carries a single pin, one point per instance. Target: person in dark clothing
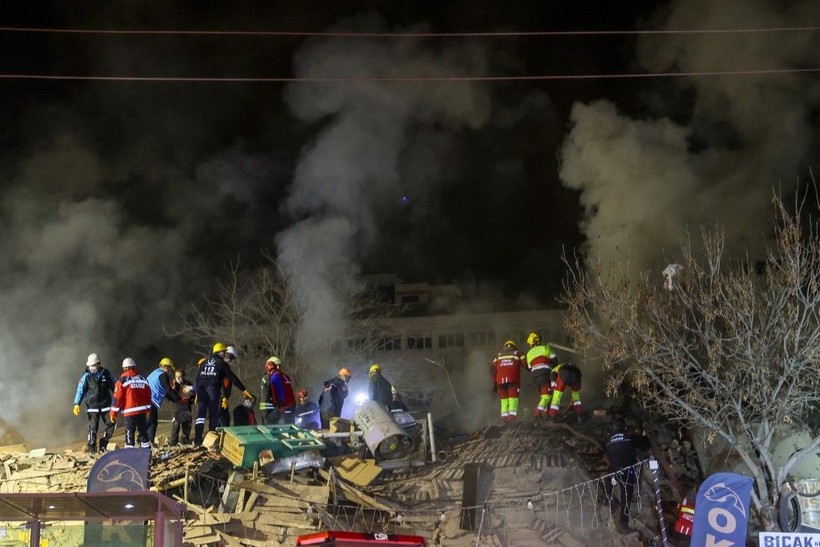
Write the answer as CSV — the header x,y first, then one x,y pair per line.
x,y
182,409
224,419
208,386
306,412
243,414
622,455
396,405
379,389
332,398
160,382
96,386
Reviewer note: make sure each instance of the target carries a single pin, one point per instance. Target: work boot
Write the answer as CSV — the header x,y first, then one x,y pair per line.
x,y
90,449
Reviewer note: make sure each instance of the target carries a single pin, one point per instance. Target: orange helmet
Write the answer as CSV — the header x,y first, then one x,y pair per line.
x,y
301,393
199,363
344,371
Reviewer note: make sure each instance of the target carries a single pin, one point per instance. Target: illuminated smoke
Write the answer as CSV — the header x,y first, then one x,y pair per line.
x,y
352,176
645,182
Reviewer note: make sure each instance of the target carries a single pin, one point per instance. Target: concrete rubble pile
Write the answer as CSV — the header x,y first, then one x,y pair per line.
x,y
232,504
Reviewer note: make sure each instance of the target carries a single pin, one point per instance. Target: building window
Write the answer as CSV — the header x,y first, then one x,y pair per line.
x,y
356,344
390,344
419,342
482,338
451,341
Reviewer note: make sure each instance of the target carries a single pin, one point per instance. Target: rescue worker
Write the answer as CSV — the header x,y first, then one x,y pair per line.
x,y
208,387
622,456
132,395
277,393
183,419
379,387
396,405
566,375
306,412
685,520
243,414
332,398
95,387
224,420
160,382
540,360
506,374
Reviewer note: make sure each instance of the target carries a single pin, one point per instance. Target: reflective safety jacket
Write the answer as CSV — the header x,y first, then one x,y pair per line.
x,y
96,388
132,394
506,367
541,357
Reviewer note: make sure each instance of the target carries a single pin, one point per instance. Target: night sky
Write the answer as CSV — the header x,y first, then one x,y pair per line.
x,y
123,201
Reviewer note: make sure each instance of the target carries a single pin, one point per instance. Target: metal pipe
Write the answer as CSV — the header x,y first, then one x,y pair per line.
x,y
432,436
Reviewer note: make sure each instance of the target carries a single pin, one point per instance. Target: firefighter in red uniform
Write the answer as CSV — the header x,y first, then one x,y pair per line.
x,y
506,373
540,360
685,517
132,395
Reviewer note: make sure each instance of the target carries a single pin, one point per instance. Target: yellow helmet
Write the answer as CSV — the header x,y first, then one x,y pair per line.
x,y
219,346
199,363
533,339
166,362
375,368
344,371
510,344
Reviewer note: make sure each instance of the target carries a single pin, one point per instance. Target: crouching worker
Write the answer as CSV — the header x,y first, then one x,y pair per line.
x,y
566,375
306,412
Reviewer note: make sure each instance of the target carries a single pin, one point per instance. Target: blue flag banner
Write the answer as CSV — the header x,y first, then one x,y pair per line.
x,y
722,510
123,470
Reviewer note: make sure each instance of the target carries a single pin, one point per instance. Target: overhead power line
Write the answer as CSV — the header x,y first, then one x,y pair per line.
x,y
398,34
443,79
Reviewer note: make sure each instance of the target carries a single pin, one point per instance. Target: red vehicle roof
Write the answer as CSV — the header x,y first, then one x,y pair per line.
x,y
359,539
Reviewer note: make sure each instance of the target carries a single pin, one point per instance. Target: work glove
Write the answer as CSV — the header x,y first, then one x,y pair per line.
x,y
76,410
248,395
224,402
113,416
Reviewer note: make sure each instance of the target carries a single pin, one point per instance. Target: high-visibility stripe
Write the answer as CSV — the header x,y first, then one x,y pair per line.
x,y
544,366
94,410
135,410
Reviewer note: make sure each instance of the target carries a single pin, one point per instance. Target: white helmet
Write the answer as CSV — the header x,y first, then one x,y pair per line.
x,y
93,359
128,363
233,351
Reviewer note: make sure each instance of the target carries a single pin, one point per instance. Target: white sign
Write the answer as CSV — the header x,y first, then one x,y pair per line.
x,y
789,539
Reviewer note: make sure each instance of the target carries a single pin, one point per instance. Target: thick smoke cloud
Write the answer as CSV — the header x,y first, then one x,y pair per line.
x,y
76,278
353,176
645,181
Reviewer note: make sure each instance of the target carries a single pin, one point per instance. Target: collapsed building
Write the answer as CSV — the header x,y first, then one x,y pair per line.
x,y
524,484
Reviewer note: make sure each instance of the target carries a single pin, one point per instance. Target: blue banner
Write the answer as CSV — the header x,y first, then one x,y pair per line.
x,y
123,470
722,510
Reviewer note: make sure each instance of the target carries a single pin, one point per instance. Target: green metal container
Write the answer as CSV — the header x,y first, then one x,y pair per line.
x,y
242,444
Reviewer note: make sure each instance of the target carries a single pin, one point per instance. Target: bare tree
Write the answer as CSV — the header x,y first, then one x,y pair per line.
x,y
259,311
732,348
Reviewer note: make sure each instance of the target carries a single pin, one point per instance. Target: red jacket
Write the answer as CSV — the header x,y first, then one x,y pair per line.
x,y
506,367
132,394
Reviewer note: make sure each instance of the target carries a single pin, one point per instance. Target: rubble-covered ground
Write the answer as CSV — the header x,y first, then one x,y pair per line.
x,y
534,484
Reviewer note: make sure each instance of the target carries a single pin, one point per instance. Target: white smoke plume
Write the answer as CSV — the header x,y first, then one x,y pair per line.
x,y
76,279
645,182
357,169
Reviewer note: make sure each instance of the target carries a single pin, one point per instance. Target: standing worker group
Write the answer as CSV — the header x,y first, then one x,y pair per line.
x,y
540,360
208,386
95,387
506,375
277,400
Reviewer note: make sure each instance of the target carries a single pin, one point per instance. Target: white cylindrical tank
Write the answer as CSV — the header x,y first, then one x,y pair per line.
x,y
382,435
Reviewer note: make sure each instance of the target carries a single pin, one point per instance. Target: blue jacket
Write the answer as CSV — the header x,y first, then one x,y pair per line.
x,y
96,389
307,416
213,373
161,387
